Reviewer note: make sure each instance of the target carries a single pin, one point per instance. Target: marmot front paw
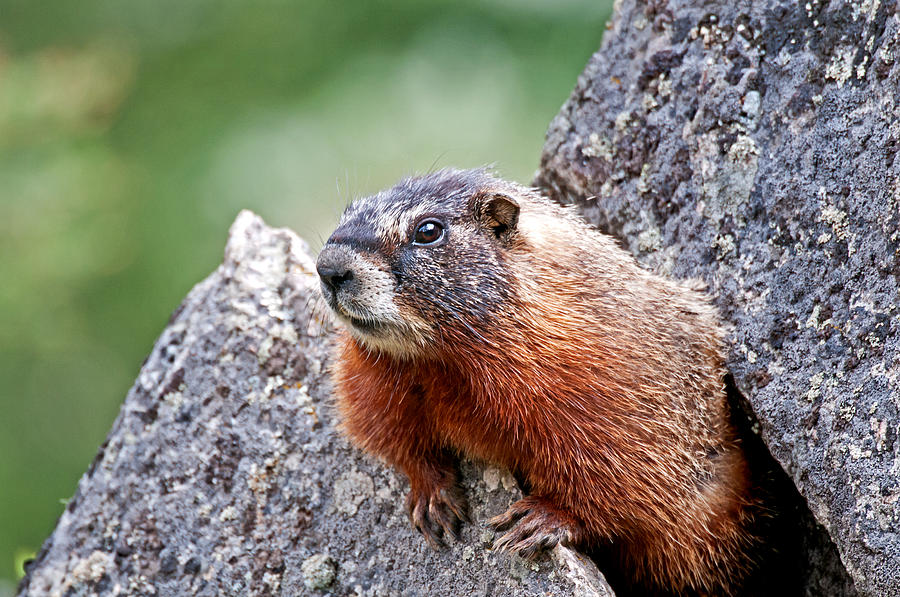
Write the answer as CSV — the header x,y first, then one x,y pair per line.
x,y
533,525
437,512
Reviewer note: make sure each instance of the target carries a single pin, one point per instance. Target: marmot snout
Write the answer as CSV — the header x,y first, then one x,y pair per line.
x,y
483,320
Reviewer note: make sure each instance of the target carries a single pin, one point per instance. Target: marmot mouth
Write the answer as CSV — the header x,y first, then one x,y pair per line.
x,y
364,325
367,326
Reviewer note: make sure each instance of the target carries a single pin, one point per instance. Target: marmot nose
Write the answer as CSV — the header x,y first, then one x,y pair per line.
x,y
335,277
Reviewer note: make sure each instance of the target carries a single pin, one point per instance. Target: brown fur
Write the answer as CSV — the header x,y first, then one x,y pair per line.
x,y
598,382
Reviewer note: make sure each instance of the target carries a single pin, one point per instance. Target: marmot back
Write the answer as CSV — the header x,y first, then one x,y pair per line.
x,y
483,320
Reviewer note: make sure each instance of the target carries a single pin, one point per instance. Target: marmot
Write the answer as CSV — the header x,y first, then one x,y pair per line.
x,y
483,320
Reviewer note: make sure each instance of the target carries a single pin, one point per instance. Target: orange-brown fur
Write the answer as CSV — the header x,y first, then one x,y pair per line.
x,y
602,386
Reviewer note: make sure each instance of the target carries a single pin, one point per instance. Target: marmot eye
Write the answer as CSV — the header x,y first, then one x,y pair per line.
x,y
429,232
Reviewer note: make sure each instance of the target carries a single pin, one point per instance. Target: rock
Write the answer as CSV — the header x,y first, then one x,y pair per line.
x,y
754,145
318,571
223,474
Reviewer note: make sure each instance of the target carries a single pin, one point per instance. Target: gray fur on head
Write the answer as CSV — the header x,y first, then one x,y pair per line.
x,y
457,281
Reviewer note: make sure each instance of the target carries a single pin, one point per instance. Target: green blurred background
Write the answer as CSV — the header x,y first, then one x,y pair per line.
x,y
131,133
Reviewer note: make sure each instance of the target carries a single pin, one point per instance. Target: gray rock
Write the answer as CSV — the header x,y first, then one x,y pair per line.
x,y
318,571
223,474
754,145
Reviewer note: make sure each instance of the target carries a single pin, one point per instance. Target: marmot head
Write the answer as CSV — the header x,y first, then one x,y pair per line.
x,y
423,262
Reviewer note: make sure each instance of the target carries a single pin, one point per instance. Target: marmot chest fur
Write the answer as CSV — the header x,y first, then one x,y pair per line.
x,y
483,320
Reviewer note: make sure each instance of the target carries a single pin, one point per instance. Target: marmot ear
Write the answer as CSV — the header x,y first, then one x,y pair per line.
x,y
498,213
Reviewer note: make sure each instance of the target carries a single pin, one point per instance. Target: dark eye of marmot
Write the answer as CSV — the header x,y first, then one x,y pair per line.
x,y
429,232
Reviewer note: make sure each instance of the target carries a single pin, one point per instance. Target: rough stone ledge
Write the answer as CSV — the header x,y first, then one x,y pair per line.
x,y
223,474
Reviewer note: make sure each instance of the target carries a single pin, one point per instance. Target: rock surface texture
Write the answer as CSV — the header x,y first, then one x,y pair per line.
x,y
754,145
224,475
